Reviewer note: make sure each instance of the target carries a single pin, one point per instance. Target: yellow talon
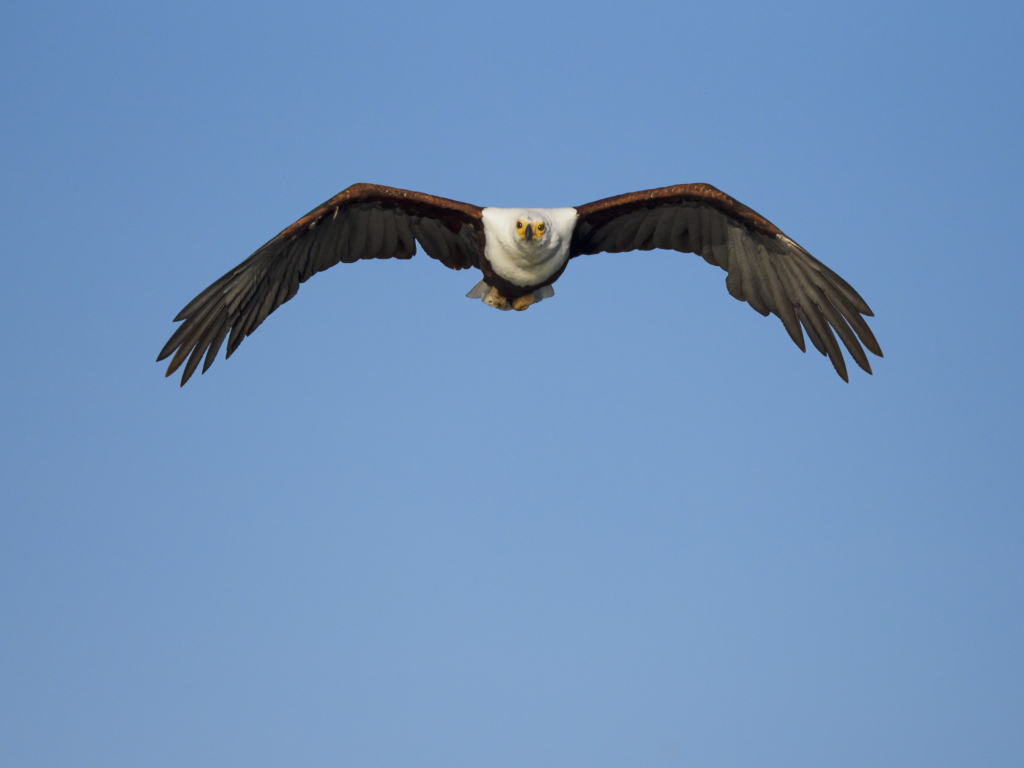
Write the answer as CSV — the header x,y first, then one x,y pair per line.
x,y
496,300
523,302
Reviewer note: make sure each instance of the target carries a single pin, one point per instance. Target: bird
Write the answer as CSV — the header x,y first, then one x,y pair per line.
x,y
521,252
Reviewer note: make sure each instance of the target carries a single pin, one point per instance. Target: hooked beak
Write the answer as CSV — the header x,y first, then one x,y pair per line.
x,y
528,234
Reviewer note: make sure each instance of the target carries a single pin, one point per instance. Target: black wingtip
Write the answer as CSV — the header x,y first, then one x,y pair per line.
x,y
795,333
838,361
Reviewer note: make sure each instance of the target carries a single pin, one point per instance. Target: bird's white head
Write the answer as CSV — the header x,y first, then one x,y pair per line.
x,y
531,229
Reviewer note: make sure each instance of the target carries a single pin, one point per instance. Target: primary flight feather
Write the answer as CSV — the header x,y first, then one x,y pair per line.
x,y
522,252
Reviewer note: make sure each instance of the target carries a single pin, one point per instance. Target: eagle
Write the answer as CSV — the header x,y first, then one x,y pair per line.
x,y
522,252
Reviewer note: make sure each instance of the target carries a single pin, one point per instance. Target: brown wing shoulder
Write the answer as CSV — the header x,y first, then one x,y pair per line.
x,y
593,215
452,213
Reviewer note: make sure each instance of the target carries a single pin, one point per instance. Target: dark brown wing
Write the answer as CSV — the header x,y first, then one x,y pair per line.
x,y
366,221
766,269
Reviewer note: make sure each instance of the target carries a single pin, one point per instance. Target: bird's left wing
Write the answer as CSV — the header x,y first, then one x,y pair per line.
x,y
766,269
365,221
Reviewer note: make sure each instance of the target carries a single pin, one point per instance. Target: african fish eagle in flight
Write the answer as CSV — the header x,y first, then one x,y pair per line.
x,y
521,252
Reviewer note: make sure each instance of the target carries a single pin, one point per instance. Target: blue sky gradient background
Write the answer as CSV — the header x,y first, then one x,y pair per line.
x,y
633,525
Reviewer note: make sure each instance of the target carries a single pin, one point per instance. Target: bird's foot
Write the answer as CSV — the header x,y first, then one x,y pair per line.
x,y
496,300
524,302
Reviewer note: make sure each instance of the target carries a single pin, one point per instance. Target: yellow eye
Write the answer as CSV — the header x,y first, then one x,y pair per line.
x,y
540,227
519,225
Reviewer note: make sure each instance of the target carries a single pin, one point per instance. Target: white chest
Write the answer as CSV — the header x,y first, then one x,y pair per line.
x,y
525,262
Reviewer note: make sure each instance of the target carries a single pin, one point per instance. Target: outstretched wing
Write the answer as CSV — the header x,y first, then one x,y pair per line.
x,y
366,221
766,269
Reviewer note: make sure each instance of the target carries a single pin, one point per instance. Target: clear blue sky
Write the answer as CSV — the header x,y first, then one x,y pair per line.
x,y
631,526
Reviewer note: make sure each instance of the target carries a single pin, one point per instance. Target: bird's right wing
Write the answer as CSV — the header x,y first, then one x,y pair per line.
x,y
365,221
766,269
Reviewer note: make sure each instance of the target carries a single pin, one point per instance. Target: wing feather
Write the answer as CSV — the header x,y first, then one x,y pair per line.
x,y
359,236
346,228
389,246
809,329
811,302
760,266
406,239
375,226
429,236
719,250
218,339
841,302
784,304
720,234
696,230
644,238
681,240
751,295
844,287
662,237
209,332
626,233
